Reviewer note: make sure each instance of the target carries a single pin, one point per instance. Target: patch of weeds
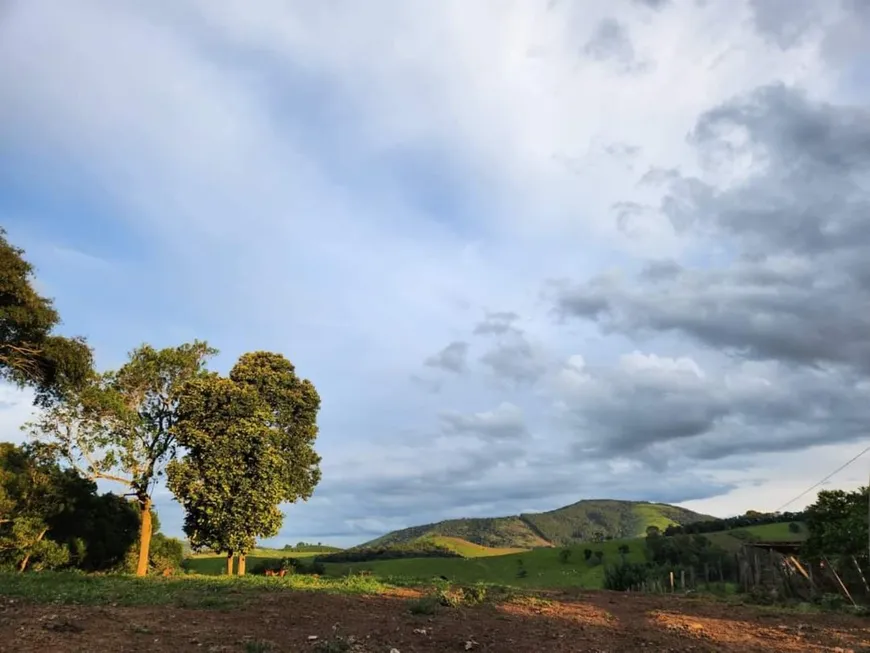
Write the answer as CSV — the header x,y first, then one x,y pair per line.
x,y
473,594
427,605
337,644
531,601
257,647
450,597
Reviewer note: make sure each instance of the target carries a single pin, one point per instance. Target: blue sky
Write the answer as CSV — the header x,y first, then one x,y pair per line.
x,y
362,188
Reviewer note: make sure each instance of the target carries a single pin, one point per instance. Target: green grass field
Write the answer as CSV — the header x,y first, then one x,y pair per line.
x,y
542,567
211,564
181,591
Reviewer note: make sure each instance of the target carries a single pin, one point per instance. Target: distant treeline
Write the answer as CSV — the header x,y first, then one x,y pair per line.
x,y
308,547
751,518
420,549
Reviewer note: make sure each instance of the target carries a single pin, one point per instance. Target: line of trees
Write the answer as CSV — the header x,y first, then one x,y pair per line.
x,y
417,549
750,518
232,449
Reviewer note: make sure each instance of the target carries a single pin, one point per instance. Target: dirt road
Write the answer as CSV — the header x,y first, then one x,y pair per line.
x,y
309,621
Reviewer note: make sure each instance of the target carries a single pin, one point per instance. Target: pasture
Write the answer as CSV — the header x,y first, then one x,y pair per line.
x,y
213,564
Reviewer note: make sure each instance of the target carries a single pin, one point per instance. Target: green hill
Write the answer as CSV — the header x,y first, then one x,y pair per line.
x,y
582,521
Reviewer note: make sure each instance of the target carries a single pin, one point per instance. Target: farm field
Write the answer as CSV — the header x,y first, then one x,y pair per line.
x,y
67,613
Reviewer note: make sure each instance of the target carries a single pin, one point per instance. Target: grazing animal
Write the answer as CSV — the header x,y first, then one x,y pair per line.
x,y
269,572
282,572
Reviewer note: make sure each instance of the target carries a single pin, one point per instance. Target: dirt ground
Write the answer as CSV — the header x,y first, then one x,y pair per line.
x,y
308,621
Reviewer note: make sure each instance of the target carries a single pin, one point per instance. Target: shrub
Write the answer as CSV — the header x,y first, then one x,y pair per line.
x,y
564,556
587,554
623,577
794,527
166,553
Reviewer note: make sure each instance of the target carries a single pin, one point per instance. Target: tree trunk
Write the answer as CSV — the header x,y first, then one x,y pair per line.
x,y
241,564
23,566
230,557
144,536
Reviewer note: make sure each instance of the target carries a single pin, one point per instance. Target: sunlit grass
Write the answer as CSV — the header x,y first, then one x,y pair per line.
x,y
182,591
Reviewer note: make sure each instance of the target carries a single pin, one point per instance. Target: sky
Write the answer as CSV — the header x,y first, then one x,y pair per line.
x,y
528,251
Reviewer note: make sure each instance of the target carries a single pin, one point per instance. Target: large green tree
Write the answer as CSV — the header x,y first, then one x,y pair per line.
x,y
120,427
30,353
249,447
838,524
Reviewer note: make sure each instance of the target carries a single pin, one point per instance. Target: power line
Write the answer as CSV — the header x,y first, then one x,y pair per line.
x,y
834,473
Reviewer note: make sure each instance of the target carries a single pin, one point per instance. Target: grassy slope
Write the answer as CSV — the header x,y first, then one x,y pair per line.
x,y
469,549
493,532
569,525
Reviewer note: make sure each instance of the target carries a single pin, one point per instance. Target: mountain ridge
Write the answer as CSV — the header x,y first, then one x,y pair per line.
x,y
583,521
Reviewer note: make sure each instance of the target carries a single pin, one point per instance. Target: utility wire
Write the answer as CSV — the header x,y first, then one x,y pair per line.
x,y
834,473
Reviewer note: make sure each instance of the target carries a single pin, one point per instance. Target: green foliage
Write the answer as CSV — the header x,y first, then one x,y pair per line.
x,y
54,518
565,556
307,547
795,527
587,554
595,520
120,426
249,448
837,524
29,353
626,576
34,492
165,553
749,520
417,549
688,552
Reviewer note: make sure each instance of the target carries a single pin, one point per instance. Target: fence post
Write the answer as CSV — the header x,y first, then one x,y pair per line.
x,y
672,581
861,574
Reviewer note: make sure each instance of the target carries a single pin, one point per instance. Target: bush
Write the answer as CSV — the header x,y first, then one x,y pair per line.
x,y
564,556
625,576
165,553
587,554
794,527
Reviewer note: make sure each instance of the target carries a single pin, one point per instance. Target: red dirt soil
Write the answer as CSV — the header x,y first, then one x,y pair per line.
x,y
595,622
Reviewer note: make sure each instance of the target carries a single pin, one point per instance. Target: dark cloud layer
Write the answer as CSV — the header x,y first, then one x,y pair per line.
x,y
798,289
794,297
